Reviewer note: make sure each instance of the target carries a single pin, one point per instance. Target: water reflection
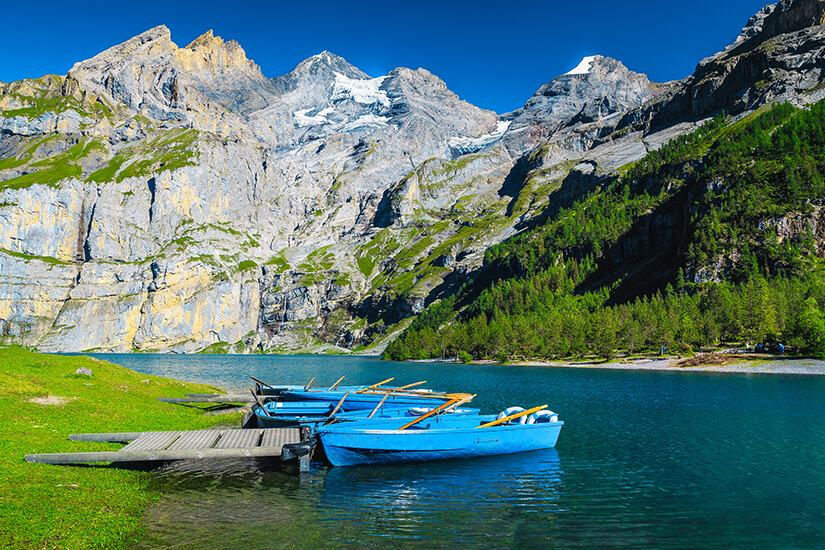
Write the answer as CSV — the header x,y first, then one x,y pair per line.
x,y
480,503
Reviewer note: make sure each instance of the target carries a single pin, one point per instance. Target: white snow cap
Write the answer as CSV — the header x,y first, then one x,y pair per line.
x,y
585,65
365,92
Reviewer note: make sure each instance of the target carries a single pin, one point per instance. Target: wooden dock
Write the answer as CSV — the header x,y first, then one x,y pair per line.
x,y
286,443
209,398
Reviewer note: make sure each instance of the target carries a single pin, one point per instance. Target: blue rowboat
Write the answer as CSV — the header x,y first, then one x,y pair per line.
x,y
436,438
266,390
399,412
277,417
369,400
298,408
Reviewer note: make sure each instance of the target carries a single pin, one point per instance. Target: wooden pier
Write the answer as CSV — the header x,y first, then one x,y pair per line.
x,y
287,443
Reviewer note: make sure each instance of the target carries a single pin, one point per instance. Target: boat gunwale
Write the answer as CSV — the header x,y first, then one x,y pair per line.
x,y
354,429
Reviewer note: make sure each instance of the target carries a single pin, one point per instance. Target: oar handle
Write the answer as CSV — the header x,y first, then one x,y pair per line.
x,y
411,385
338,406
459,403
512,417
429,414
335,385
379,405
375,385
260,382
258,402
310,383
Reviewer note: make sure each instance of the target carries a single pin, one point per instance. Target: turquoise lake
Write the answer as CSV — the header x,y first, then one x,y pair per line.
x,y
645,460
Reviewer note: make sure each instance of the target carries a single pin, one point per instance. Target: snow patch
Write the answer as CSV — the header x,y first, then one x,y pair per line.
x,y
366,121
464,145
585,65
365,92
302,119
337,123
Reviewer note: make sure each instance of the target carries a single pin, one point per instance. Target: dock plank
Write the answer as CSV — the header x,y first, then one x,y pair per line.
x,y
278,437
215,399
203,439
183,445
232,439
152,441
109,437
151,456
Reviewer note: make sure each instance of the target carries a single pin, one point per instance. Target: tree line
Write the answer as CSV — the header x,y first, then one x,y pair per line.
x,y
739,175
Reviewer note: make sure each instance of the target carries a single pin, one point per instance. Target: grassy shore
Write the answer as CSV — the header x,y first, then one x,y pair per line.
x,y
42,401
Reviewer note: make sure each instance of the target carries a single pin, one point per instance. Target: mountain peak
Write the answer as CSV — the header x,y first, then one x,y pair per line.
x,y
208,52
150,43
326,61
584,66
320,70
597,65
205,39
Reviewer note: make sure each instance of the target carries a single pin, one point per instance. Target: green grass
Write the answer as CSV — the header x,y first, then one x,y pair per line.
x,y
6,164
54,169
366,264
21,255
70,507
49,98
216,348
277,264
170,151
247,265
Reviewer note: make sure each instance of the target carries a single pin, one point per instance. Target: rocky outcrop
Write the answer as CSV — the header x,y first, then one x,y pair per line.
x,y
791,16
779,56
209,85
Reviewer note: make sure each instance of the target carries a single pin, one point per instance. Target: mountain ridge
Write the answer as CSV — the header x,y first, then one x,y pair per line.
x,y
160,198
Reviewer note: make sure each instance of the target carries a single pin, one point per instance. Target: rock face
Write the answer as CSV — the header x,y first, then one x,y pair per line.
x,y
793,15
596,91
160,198
778,57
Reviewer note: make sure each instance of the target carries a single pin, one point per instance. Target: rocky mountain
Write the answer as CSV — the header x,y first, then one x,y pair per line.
x,y
160,198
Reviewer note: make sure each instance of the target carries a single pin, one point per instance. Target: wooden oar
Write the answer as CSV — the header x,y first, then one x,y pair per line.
x,y
401,388
429,414
512,417
375,385
459,403
310,383
261,405
335,385
338,406
260,382
380,403
331,417
441,396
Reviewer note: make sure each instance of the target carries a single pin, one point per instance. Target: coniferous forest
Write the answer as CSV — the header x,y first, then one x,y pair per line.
x,y
710,240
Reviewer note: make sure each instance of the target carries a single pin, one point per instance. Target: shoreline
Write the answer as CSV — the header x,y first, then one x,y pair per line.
x,y
749,364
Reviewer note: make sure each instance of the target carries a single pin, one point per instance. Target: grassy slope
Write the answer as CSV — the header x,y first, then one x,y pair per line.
x,y
43,506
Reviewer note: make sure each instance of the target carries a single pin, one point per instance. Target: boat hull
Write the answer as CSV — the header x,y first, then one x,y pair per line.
x,y
362,401
458,438
284,417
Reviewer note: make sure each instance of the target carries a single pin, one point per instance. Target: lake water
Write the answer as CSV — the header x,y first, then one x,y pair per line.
x,y
645,460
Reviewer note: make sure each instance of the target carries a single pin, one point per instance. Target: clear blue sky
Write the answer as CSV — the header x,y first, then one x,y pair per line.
x,y
495,54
